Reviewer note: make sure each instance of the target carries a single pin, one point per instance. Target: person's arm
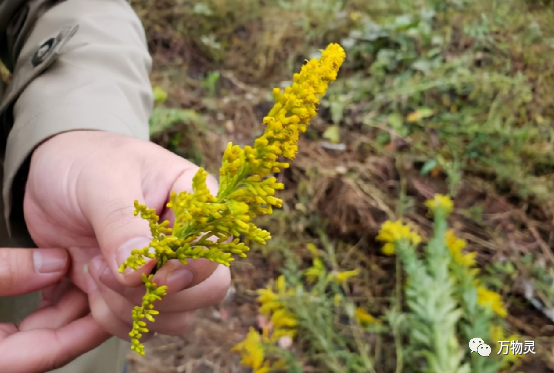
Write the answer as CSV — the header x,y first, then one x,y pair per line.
x,y
82,184
95,79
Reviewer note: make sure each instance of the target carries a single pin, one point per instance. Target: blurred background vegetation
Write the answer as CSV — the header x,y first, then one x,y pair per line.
x,y
436,96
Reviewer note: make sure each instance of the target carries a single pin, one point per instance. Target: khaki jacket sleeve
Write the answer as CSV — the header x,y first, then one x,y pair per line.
x,y
98,78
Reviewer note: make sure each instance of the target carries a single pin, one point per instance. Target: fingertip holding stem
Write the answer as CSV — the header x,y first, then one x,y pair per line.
x,y
180,278
89,270
128,275
124,251
175,275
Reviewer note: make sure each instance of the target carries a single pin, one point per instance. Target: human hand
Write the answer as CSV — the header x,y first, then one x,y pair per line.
x,y
50,337
80,193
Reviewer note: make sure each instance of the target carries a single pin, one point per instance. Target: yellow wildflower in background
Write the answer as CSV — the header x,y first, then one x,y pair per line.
x,y
492,300
392,232
341,277
312,248
205,224
318,271
283,324
364,318
388,248
440,201
271,300
272,305
252,352
315,272
456,246
497,334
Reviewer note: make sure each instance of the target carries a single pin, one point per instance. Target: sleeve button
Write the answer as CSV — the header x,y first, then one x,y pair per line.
x,y
43,51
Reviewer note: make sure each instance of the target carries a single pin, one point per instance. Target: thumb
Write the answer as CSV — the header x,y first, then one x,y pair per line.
x,y
118,231
23,271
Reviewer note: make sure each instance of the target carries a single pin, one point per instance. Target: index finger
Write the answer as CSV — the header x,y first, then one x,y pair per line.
x,y
23,271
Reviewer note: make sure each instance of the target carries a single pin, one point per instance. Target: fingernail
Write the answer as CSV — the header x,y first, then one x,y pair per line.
x,y
124,252
179,278
90,283
106,275
49,260
95,265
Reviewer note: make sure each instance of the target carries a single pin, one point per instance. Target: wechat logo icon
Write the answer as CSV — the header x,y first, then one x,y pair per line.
x,y
479,346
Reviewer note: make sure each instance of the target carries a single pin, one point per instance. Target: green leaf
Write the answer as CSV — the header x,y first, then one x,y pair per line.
x,y
160,96
337,111
425,112
165,118
397,123
527,259
428,166
510,268
332,133
383,138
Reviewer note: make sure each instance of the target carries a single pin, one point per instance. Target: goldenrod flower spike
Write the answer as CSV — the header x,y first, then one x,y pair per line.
x,y
205,224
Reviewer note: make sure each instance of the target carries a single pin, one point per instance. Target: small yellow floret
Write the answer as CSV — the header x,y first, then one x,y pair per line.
x,y
364,318
442,202
341,277
491,300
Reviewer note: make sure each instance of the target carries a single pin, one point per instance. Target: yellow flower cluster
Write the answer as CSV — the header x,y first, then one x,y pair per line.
x,y
340,277
205,224
272,305
145,311
252,353
318,271
315,272
486,298
497,334
292,113
364,318
456,246
394,231
442,202
283,324
492,300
